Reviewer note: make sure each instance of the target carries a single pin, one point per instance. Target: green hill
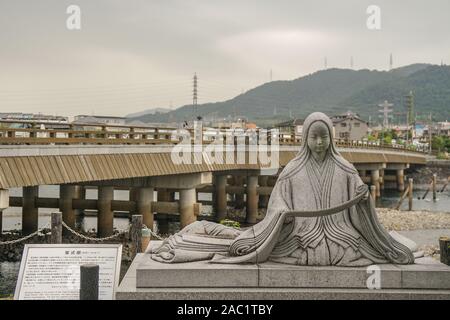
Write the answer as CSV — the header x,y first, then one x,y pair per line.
x,y
331,91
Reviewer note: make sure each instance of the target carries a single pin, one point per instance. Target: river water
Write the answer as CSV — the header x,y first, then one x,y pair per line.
x,y
12,219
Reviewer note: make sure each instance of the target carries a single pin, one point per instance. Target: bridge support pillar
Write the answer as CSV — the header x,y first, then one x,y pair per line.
x,y
133,196
220,196
30,213
144,205
252,199
263,199
382,179
105,216
66,194
375,177
238,198
401,180
187,201
4,203
163,223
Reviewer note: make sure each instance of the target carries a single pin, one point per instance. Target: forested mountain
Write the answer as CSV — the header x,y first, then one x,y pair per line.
x,y
332,91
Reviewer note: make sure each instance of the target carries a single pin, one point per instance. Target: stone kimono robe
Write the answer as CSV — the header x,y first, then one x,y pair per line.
x,y
318,214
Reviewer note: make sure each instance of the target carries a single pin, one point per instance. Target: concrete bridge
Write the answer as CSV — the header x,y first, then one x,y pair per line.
x,y
142,163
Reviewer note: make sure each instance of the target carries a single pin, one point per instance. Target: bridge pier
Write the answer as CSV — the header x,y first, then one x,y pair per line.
x,y
238,198
163,222
399,168
263,199
381,179
67,193
144,205
252,199
4,203
105,216
375,180
220,196
133,196
187,201
374,169
30,212
186,185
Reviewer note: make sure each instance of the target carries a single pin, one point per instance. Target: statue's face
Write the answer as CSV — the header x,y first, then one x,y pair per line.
x,y
318,138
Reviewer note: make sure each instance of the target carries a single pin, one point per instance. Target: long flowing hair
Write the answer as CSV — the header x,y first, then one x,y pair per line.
x,y
297,163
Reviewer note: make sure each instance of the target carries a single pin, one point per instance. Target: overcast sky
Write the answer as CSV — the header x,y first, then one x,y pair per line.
x,y
138,54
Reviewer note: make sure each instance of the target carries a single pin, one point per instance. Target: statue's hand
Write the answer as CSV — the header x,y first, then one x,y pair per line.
x,y
288,219
366,196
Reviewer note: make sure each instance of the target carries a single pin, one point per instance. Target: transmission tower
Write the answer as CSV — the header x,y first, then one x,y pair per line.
x,y
351,62
391,62
325,62
386,109
195,95
410,119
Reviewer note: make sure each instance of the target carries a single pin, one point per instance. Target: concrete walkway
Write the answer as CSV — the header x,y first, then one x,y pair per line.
x,y
426,237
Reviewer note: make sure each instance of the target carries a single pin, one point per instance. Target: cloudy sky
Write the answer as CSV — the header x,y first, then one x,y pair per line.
x,y
138,54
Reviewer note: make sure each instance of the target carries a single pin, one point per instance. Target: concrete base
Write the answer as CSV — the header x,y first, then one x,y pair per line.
x,y
147,279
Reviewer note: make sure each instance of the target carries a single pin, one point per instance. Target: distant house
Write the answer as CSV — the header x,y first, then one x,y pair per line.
x,y
291,126
439,129
349,126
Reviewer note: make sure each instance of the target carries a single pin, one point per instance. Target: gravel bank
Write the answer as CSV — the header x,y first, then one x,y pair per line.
x,y
413,220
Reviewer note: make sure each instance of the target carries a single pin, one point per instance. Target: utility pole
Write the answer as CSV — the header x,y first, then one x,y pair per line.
x,y
429,134
410,119
195,96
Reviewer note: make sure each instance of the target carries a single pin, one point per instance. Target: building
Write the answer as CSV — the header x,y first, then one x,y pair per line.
x,y
32,117
294,126
108,120
349,126
438,129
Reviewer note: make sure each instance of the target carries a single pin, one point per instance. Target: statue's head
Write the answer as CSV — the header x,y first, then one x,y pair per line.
x,y
317,141
318,138
317,134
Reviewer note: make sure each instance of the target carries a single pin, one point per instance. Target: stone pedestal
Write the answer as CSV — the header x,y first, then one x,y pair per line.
x,y
148,279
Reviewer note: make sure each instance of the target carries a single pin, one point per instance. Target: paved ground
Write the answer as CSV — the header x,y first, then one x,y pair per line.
x,y
426,237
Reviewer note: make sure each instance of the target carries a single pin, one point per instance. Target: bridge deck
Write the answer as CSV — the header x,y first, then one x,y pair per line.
x,y
44,165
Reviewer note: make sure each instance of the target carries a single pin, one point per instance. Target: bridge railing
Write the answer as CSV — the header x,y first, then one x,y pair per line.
x,y
34,133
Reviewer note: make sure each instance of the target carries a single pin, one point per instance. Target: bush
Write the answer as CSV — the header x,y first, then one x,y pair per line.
x,y
230,223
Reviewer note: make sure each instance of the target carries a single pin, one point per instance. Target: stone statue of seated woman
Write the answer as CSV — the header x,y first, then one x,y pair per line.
x,y
319,213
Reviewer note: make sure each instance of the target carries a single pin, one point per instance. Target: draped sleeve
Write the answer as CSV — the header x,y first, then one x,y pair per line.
x,y
376,243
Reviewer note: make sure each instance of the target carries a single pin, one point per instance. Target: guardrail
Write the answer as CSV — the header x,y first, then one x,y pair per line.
x,y
30,133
